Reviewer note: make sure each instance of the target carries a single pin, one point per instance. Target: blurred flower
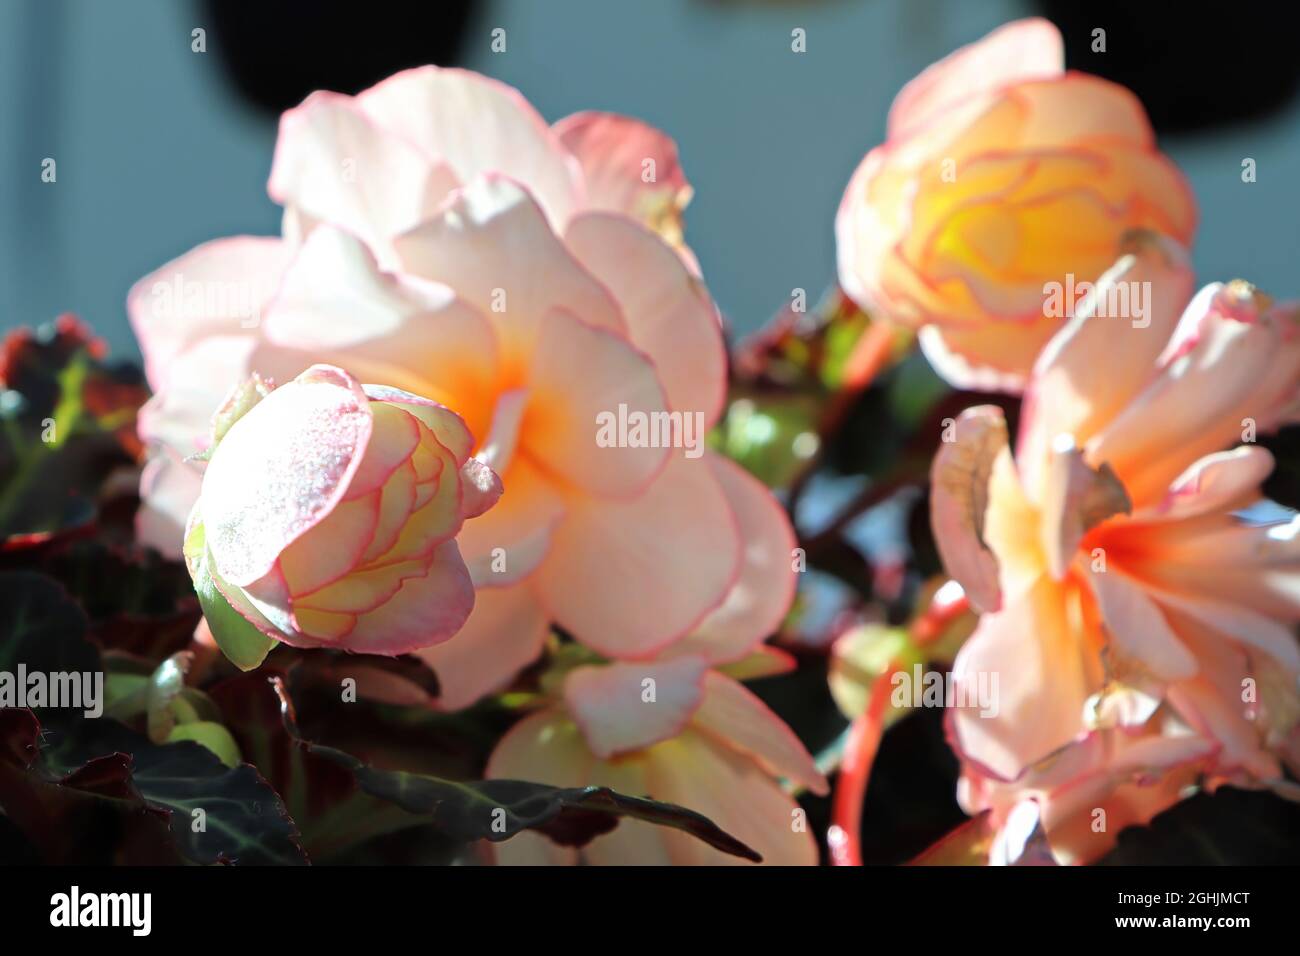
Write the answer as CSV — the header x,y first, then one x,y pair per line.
x,y
1000,174
679,732
441,238
1122,577
677,727
329,511
1087,793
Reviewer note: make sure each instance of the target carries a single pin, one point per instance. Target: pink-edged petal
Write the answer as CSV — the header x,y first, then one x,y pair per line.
x,y
507,543
446,425
738,719
476,125
1035,654
985,358
668,311
394,437
625,707
1233,362
1075,498
336,305
492,244
1218,482
960,477
480,488
1242,624
345,536
1222,558
761,597
629,578
735,793
1022,50
334,164
425,611
438,514
271,597
361,590
1138,629
580,376
218,288
1085,376
503,635
322,628
180,415
1225,719
168,489
628,166
282,469
267,612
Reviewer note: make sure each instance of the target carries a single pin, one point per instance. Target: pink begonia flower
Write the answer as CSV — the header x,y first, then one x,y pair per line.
x,y
1000,173
329,511
440,237
680,731
1120,581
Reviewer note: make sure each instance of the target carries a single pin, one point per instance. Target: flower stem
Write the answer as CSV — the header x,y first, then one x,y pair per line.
x,y
845,834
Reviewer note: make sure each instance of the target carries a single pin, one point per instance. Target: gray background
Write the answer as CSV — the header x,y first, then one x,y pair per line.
x,y
156,153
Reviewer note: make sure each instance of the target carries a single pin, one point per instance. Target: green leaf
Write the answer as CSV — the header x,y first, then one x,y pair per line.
x,y
165,686
496,810
239,640
243,818
211,735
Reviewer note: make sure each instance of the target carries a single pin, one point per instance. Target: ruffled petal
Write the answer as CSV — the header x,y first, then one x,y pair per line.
x,y
1036,656
755,607
1099,362
737,718
668,311
494,246
625,707
334,164
426,610
476,125
579,377
503,635
628,167
281,470
960,478
1021,50
506,544
629,578
735,793
336,305
218,288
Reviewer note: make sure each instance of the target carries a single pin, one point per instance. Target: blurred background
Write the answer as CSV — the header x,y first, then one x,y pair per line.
x,y
159,148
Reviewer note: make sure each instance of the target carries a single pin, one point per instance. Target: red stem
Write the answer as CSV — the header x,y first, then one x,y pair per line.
x,y
845,834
